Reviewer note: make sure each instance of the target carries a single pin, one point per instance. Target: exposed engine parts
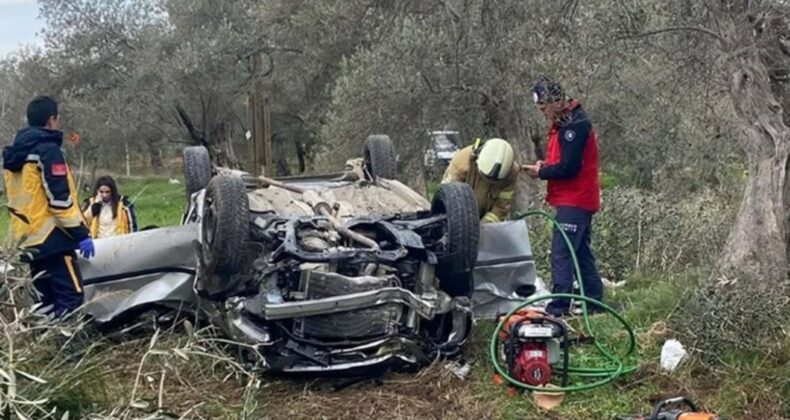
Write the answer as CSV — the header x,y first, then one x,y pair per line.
x,y
315,294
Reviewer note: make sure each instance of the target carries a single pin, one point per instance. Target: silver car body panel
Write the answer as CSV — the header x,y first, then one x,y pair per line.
x,y
353,301
504,264
348,366
155,266
159,266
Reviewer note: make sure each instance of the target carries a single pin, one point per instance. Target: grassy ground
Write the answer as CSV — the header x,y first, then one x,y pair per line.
x,y
210,388
157,201
185,376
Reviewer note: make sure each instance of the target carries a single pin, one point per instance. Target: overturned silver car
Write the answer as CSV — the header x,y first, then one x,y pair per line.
x,y
335,273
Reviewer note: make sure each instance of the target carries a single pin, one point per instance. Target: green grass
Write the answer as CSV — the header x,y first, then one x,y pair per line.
x,y
621,397
157,202
649,300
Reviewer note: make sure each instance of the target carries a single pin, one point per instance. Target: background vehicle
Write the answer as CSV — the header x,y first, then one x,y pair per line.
x,y
442,146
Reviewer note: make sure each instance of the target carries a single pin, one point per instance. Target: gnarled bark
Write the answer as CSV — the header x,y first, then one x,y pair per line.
x,y
758,242
510,123
745,302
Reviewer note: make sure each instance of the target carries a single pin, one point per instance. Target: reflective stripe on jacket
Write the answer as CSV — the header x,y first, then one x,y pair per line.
x,y
41,193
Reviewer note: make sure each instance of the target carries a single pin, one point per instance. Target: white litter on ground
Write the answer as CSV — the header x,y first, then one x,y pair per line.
x,y
612,284
672,353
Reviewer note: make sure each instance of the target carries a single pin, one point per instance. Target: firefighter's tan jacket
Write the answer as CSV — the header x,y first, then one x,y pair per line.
x,y
494,198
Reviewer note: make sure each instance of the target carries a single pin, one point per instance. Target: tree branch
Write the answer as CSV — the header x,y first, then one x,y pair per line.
x,y
186,121
190,143
698,29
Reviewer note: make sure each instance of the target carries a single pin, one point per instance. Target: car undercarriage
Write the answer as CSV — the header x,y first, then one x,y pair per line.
x,y
316,278
331,274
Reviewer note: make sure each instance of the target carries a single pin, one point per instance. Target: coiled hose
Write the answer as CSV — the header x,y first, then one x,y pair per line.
x,y
604,375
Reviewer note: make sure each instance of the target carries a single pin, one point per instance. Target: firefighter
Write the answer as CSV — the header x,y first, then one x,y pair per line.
x,y
108,213
571,169
487,167
45,217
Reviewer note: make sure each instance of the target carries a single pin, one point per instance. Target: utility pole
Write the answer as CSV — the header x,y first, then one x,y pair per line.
x,y
260,140
128,168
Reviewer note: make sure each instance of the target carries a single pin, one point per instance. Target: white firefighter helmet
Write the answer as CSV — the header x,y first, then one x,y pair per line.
x,y
495,159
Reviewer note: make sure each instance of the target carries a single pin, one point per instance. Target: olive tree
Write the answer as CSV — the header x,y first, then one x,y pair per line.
x,y
745,46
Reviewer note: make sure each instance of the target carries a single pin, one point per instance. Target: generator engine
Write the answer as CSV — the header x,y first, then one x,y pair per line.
x,y
534,342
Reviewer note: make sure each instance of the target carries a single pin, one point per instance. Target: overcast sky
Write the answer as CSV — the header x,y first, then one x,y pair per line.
x,y
18,25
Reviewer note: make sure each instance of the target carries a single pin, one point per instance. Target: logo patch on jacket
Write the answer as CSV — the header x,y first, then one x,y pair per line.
x,y
59,169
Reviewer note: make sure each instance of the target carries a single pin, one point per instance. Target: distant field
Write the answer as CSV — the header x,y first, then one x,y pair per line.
x,y
156,201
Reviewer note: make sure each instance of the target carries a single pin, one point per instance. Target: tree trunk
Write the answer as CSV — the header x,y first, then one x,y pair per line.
x,y
300,155
282,167
155,153
226,140
128,158
94,163
220,143
758,242
216,135
510,123
748,289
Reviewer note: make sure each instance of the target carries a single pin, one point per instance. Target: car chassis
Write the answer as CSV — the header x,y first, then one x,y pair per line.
x,y
311,283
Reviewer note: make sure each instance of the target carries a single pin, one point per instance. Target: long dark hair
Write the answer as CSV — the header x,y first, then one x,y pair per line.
x,y
107,181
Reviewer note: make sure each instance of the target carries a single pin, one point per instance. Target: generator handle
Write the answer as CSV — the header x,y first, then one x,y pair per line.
x,y
660,406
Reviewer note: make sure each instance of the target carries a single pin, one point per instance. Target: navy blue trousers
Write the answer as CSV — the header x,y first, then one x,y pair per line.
x,y
61,282
577,224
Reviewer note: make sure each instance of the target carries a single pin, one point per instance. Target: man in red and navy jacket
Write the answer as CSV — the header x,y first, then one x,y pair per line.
x,y
571,169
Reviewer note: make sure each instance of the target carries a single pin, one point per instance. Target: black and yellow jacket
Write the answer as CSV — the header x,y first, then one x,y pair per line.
x,y
125,222
45,216
494,198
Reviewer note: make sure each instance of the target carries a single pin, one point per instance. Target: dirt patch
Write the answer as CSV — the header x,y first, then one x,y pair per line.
x,y
433,393
205,388
650,373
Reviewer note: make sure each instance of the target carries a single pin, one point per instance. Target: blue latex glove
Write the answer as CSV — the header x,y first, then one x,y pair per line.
x,y
87,249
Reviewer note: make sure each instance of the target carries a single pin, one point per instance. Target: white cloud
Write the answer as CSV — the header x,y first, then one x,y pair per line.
x,y
18,25
15,2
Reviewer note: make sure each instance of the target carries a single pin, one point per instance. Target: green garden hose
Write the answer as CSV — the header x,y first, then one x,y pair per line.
x,y
605,375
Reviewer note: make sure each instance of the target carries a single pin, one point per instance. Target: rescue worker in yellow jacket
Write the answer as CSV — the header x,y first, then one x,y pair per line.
x,y
42,202
108,213
489,168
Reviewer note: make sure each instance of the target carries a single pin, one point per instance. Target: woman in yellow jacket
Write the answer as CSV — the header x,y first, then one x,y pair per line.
x,y
108,213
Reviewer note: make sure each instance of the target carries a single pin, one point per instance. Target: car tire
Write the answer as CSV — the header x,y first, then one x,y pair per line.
x,y
225,225
457,202
197,169
379,155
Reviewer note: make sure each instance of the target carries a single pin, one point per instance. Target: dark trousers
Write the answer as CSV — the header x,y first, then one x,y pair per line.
x,y
577,224
61,282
